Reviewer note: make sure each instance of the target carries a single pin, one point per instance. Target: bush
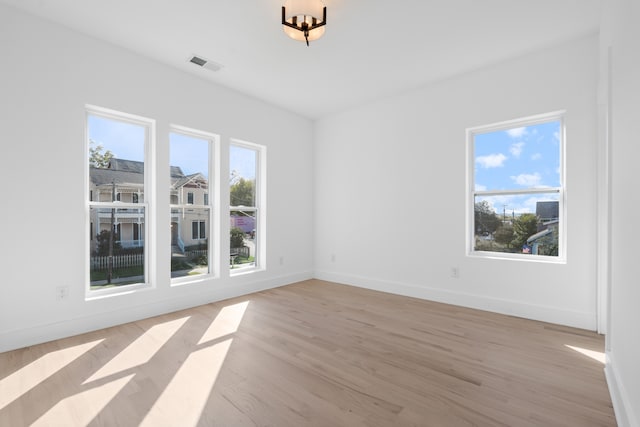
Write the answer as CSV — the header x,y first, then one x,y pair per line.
x,y
237,237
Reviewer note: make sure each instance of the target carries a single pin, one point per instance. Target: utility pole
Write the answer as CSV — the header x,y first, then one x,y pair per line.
x,y
111,231
504,214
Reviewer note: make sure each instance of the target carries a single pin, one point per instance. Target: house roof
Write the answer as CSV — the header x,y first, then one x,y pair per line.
x,y
131,173
547,210
101,177
539,235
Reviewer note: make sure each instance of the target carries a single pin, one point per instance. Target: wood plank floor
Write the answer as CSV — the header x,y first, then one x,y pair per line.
x,y
312,354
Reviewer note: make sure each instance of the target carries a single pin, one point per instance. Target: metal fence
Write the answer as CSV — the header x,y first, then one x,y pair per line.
x,y
119,261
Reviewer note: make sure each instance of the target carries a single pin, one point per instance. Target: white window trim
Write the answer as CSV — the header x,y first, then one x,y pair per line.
x,y
259,208
149,175
471,192
213,205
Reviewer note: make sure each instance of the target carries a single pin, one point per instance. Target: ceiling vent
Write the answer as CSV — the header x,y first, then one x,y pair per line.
x,y
205,63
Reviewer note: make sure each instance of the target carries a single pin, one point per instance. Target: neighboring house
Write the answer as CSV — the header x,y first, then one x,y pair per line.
x,y
125,179
547,235
547,211
188,225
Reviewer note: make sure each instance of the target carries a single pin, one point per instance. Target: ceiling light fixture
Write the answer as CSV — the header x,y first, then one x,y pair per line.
x,y
301,19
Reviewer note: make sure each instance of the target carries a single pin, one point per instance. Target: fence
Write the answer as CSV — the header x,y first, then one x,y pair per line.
x,y
243,251
196,253
119,261
133,260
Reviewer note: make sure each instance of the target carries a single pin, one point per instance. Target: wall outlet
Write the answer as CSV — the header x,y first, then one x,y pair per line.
x,y
62,293
455,272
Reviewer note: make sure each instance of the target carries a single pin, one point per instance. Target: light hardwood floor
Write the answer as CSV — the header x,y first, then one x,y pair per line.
x,y
312,354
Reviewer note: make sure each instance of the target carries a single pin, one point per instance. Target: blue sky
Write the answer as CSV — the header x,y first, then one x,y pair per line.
x,y
518,158
126,141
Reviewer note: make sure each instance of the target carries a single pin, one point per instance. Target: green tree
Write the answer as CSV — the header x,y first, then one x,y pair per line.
x,y
98,158
242,193
237,237
504,235
524,226
486,219
103,243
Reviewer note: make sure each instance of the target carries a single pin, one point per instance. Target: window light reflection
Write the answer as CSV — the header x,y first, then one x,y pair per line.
x,y
595,355
141,350
26,378
84,406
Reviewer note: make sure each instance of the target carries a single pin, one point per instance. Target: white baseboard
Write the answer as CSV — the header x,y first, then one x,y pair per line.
x,y
577,319
23,337
619,397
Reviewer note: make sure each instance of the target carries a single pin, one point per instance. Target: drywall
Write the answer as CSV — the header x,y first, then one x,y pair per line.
x,y
621,58
390,189
48,75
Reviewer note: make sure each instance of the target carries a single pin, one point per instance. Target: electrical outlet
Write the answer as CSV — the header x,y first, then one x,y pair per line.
x,y
62,293
455,272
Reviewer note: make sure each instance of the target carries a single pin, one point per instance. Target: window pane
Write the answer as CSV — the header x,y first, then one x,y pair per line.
x,y
189,169
243,239
116,176
517,223
518,158
117,259
116,159
189,242
243,166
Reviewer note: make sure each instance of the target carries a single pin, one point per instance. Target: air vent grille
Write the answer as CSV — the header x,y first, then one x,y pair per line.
x,y
205,63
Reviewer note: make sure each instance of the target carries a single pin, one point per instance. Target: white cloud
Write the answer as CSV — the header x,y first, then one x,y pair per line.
x,y
516,149
480,187
536,156
527,180
491,161
516,132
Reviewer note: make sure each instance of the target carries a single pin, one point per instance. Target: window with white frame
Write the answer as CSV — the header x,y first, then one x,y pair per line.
x,y
245,203
190,167
117,165
516,188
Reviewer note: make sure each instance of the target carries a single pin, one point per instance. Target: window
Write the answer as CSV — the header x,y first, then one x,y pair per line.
x,y
190,169
516,190
245,203
198,230
117,164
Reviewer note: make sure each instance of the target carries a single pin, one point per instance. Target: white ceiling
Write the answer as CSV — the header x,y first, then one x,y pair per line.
x,y
371,48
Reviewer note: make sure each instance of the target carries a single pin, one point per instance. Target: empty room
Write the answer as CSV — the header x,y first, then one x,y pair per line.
x,y
319,213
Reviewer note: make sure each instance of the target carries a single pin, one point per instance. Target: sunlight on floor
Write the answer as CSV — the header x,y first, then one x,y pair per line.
x,y
83,407
595,355
226,322
141,350
23,380
184,398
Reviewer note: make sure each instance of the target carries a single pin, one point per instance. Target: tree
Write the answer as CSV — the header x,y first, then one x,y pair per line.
x,y
97,158
504,235
486,219
242,192
237,237
524,226
103,243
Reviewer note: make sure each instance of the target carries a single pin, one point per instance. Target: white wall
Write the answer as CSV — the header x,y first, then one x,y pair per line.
x,y
390,189
47,75
621,36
